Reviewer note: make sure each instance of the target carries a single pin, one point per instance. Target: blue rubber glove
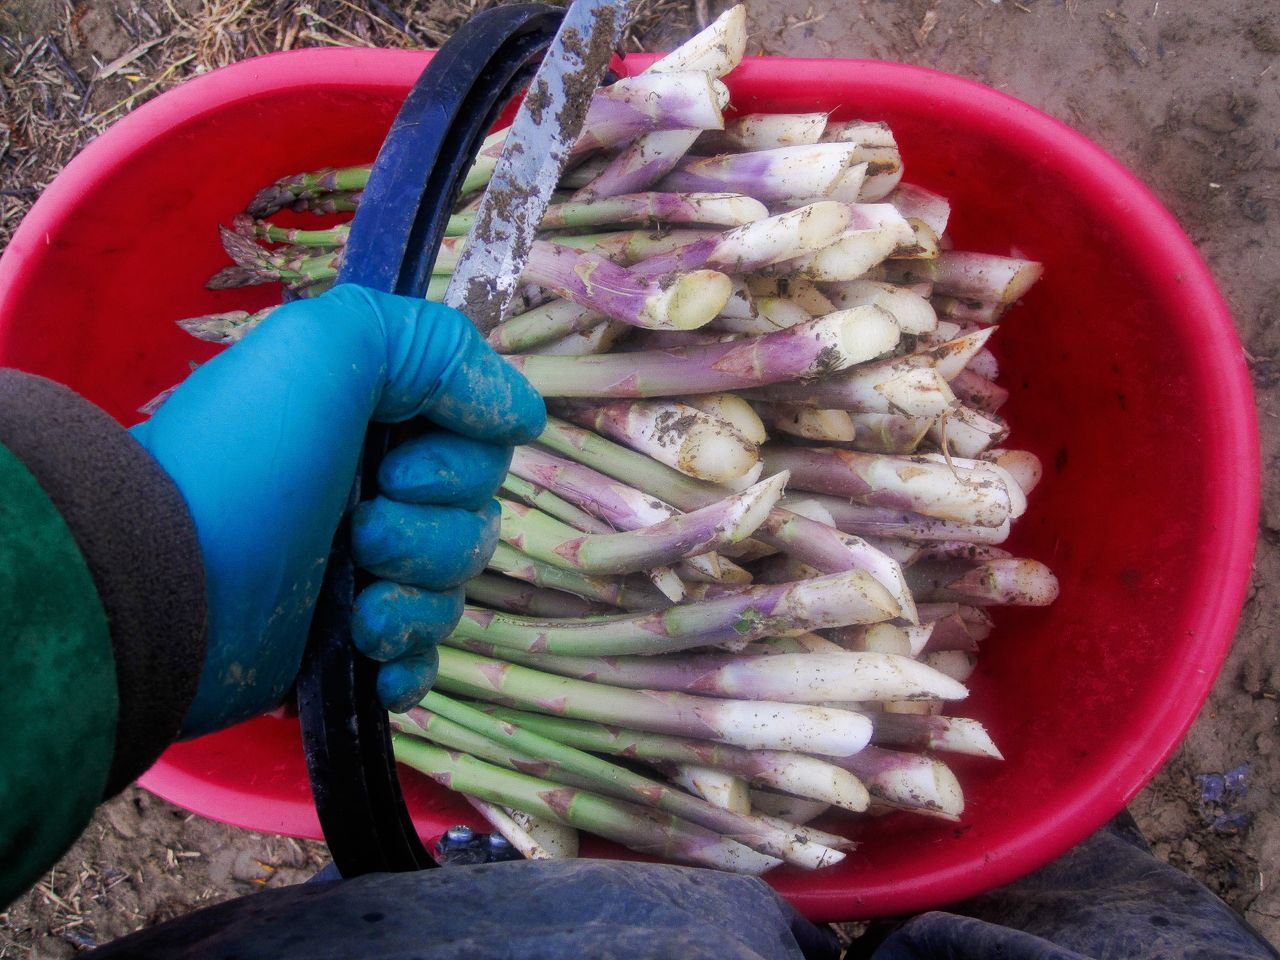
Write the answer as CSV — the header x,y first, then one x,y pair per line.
x,y
263,442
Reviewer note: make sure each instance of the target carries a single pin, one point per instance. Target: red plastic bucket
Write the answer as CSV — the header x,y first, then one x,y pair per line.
x,y
1126,377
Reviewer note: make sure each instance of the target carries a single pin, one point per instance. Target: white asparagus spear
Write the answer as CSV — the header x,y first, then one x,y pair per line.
x,y
714,786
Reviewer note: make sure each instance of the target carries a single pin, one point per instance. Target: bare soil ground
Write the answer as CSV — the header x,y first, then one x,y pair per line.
x,y
1187,95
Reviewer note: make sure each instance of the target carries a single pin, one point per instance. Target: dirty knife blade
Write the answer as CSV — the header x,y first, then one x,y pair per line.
x,y
533,158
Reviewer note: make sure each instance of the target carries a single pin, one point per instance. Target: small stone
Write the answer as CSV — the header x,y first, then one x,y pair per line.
x,y
1264,743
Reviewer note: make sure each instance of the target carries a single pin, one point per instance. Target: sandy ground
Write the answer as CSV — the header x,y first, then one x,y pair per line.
x,y
1188,96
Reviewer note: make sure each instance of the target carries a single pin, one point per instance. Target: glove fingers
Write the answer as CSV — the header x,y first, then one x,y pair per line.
x,y
482,395
391,620
440,366
403,684
444,468
426,546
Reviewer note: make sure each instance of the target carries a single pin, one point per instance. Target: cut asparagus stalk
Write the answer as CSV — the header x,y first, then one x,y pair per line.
x,y
912,312
786,678
905,385
628,593
978,392
749,247
973,276
772,313
911,708
813,542
685,303
502,593
543,499
458,725
833,426
960,494
876,232
543,324
581,175
1017,498
632,106
762,725
908,781
957,664
619,505
865,133
984,364
722,209
791,809
778,175
534,839
882,171
763,131
926,245
889,432
954,734
806,833
632,246
804,293
595,340
735,619
717,49
662,577
689,534
951,357
773,176
800,643
944,331
882,638
959,550
655,479
965,432
1014,581
1022,465
713,568
641,165
556,839
864,521
733,410
791,773
831,551
651,340
918,203
950,633
695,443
717,787
811,349
967,311
636,827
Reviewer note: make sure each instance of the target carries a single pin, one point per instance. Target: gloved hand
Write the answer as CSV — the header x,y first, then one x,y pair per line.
x,y
263,442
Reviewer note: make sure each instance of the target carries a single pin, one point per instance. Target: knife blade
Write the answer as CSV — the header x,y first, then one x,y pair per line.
x,y
533,158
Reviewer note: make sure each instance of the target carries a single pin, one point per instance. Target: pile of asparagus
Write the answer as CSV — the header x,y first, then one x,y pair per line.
x,y
747,566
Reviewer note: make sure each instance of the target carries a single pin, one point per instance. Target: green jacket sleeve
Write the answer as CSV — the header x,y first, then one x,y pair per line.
x,y
59,704
102,618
